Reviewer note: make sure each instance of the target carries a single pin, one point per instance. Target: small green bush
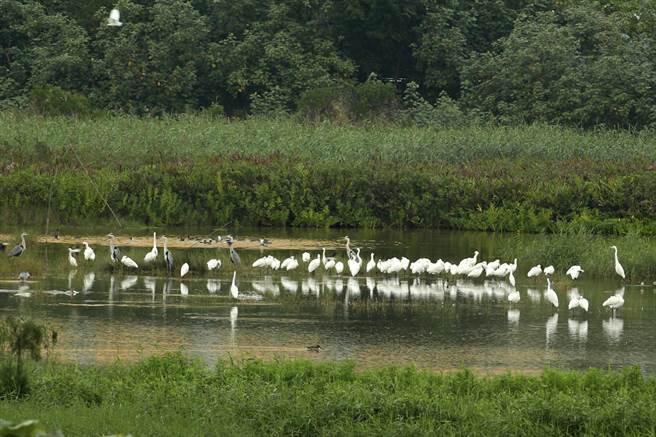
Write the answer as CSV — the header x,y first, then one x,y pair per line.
x,y
53,100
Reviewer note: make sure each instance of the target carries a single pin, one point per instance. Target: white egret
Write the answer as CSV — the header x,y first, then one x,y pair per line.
x,y
234,291
184,270
129,262
89,254
513,267
71,259
354,264
214,264
305,257
618,267
574,272
314,264
371,264
114,19
511,279
549,270
339,267
534,271
152,255
551,295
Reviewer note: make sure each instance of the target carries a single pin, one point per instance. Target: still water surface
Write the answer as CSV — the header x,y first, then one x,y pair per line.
x,y
373,320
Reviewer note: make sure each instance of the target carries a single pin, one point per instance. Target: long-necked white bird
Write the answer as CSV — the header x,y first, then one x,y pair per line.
x,y
354,264
371,264
129,262
618,267
89,254
551,295
534,271
314,264
549,270
114,19
71,259
512,268
234,291
511,278
184,270
574,272
152,255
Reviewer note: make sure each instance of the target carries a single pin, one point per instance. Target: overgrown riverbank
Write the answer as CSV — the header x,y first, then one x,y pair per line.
x,y
195,170
171,395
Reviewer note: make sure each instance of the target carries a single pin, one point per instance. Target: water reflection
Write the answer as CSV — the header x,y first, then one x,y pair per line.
x,y
578,330
89,278
513,317
213,286
613,329
129,282
551,327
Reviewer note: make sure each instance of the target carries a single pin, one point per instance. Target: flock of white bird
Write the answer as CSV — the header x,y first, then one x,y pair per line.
x,y
468,267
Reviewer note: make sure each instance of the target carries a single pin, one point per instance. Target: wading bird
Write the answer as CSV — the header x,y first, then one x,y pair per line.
x,y
618,267
114,19
24,276
234,291
71,259
293,264
89,254
114,251
616,301
152,255
129,262
551,294
534,271
574,272
214,264
19,248
234,256
314,264
578,301
168,256
548,271
184,270
306,257
371,264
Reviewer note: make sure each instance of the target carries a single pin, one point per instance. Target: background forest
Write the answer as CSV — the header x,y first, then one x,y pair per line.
x,y
568,62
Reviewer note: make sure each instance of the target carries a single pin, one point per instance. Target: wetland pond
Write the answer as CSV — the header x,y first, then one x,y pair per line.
x,y
433,322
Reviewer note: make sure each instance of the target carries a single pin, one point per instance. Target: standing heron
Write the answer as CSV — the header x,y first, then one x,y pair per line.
x,y
618,267
114,251
19,248
114,19
349,253
71,259
234,256
152,255
168,256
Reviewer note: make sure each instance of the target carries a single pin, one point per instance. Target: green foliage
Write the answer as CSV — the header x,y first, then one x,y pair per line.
x,y
52,100
175,395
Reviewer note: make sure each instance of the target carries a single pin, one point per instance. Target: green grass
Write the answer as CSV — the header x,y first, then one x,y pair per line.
x,y
172,395
128,141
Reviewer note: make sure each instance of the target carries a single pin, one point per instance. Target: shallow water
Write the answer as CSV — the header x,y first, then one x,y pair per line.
x,y
374,320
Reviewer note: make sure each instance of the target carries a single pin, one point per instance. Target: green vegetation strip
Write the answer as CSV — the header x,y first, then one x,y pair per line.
x,y
172,395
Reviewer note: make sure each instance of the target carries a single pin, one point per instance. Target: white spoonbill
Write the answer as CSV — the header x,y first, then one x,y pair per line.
x,y
549,270
616,301
574,272
291,265
618,267
551,294
306,257
89,254
339,267
129,262
234,291
371,264
214,264
534,271
71,259
314,264
578,301
184,270
114,19
152,255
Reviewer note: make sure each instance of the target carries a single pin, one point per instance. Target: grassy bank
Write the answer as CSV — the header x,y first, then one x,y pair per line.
x,y
171,395
195,170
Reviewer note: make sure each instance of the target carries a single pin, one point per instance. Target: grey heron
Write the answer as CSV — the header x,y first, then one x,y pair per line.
x,y
168,256
234,256
349,253
114,251
264,242
19,248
